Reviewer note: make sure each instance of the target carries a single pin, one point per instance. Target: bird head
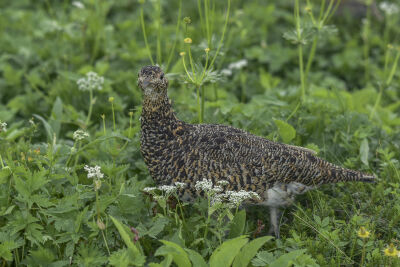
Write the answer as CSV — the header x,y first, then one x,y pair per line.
x,y
152,81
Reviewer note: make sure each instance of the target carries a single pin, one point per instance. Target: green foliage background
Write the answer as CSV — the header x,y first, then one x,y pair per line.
x,y
49,212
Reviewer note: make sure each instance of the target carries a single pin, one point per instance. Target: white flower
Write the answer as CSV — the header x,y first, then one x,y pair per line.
x,y
222,182
180,185
79,135
236,198
216,199
168,189
238,65
94,172
32,122
92,82
205,185
226,72
3,127
97,185
217,189
78,4
149,189
389,8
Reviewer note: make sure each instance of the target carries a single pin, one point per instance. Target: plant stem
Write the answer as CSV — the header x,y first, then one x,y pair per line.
x,y
171,53
113,114
159,52
145,36
202,105
198,103
223,34
393,69
363,254
311,56
90,108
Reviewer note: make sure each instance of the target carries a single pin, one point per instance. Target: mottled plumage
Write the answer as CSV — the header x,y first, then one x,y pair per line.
x,y
177,151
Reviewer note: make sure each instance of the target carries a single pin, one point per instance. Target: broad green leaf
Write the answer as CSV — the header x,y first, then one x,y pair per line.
x,y
56,116
285,130
196,258
179,255
49,130
224,254
364,150
286,259
139,259
249,251
237,224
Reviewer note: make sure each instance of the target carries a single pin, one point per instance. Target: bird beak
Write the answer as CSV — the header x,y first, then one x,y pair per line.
x,y
145,83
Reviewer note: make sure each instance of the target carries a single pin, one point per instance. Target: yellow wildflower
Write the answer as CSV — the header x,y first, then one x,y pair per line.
x,y
207,50
390,46
111,99
187,40
391,251
363,233
182,54
130,113
308,9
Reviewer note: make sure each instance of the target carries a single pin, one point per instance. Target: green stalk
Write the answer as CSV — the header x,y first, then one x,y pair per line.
x,y
191,64
206,7
311,56
300,50
171,53
393,70
159,52
104,123
187,73
90,107
201,15
198,103
202,105
223,34
113,114
145,36
366,43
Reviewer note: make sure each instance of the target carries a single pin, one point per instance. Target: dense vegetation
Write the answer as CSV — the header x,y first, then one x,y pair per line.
x,y
291,71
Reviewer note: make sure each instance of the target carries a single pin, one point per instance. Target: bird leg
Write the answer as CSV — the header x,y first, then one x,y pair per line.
x,y
274,215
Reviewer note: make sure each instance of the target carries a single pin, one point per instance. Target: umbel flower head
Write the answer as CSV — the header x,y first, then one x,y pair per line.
x,y
92,81
94,172
79,135
3,126
363,233
391,251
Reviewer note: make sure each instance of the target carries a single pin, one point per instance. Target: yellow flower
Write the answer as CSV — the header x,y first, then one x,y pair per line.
x,y
187,20
130,113
187,40
207,50
390,46
182,54
363,233
308,9
391,251
103,116
111,99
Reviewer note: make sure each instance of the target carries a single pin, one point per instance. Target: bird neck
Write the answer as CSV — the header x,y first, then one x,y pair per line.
x,y
156,110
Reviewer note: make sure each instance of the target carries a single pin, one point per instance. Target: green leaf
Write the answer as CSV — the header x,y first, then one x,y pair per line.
x,y
285,130
286,259
196,258
179,255
237,224
56,116
49,130
249,251
227,251
364,150
124,232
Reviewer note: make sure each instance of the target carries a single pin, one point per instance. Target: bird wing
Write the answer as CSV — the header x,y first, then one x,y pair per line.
x,y
258,156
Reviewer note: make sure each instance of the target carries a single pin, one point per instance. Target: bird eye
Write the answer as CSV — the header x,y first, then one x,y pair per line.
x,y
162,76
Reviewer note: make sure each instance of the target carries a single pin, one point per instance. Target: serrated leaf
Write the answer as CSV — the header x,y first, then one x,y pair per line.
x,y
249,251
224,255
285,130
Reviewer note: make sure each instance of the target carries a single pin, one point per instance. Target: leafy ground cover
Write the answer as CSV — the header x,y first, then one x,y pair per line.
x,y
74,189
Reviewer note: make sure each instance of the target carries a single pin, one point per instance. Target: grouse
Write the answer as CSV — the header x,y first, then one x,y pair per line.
x,y
176,151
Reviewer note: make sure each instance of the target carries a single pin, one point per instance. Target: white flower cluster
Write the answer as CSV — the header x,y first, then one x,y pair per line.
x,y
216,196
78,4
149,189
94,172
236,198
79,135
205,185
3,126
180,185
234,66
92,82
168,189
389,8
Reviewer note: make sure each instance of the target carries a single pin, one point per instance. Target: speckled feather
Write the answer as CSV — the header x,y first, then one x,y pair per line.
x,y
177,151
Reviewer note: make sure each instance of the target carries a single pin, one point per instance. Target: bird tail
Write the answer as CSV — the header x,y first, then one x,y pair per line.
x,y
339,174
